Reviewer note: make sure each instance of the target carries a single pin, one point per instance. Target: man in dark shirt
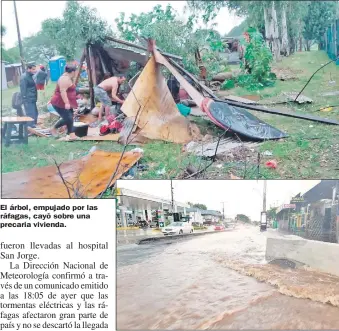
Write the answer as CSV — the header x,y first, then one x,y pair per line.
x,y
29,94
41,80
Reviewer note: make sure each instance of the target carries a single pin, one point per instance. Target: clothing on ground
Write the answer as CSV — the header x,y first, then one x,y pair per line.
x,y
66,119
101,95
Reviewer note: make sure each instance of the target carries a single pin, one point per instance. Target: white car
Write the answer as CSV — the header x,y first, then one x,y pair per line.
x,y
177,228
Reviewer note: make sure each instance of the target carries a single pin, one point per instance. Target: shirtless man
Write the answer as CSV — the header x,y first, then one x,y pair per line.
x,y
101,93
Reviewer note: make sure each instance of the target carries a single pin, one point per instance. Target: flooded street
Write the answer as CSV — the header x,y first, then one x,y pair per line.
x,y
220,281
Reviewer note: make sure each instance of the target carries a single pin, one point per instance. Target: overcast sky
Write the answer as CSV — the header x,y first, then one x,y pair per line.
x,y
109,10
240,196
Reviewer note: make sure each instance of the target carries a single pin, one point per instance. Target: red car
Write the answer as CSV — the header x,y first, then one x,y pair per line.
x,y
219,227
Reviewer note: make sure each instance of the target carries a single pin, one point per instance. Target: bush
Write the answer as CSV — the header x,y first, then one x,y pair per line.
x,y
256,67
228,84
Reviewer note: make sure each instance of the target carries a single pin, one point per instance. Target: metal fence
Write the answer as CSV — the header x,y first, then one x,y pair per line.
x,y
318,227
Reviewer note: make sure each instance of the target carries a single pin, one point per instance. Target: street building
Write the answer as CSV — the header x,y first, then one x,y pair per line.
x,y
133,207
211,217
313,215
195,216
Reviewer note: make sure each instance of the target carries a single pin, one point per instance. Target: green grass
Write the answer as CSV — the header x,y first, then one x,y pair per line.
x,y
309,152
6,98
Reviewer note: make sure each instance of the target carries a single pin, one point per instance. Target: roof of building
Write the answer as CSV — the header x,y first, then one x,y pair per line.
x,y
210,212
13,65
323,190
192,210
204,212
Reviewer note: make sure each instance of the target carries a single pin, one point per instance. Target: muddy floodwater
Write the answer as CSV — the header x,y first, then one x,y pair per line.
x,y
220,281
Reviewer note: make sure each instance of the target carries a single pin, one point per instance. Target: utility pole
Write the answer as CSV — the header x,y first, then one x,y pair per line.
x,y
337,216
263,220
223,210
172,196
19,37
264,196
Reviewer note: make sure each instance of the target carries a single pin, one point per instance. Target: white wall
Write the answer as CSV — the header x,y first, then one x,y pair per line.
x,y
4,78
316,254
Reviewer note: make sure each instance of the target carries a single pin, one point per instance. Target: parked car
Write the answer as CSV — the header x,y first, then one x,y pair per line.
x,y
178,228
219,227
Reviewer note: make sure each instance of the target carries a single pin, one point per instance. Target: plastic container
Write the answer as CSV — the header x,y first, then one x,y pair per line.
x,y
80,129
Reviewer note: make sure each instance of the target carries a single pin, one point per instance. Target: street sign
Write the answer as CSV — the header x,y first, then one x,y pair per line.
x,y
297,199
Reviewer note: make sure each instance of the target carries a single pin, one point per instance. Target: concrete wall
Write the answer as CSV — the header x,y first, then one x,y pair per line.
x,y
316,254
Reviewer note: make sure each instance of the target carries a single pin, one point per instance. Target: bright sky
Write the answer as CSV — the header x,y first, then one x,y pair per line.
x,y
109,10
240,196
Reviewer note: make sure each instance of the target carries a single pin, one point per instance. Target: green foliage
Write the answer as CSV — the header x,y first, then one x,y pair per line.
x,y
238,30
197,205
272,213
79,25
320,15
8,55
39,48
11,55
228,84
257,65
174,36
243,218
3,30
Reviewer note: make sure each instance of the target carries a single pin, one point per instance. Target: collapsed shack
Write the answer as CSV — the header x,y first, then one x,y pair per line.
x,y
150,111
115,60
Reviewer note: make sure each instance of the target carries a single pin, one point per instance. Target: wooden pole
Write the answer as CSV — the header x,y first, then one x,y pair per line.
x,y
92,63
19,38
103,64
90,80
82,59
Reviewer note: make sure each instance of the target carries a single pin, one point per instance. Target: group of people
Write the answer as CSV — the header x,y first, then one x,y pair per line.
x,y
64,98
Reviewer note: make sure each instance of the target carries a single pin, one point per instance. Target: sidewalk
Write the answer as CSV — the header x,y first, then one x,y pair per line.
x,y
133,236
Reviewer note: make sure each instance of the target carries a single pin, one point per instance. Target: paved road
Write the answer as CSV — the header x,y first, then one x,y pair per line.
x,y
211,282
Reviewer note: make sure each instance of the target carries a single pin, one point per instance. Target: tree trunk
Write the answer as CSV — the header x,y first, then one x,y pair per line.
x,y
285,49
272,31
308,45
300,43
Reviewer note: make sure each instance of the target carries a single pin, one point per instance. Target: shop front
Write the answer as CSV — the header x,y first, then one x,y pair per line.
x,y
135,207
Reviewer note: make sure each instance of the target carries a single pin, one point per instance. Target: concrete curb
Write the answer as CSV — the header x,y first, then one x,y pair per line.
x,y
175,237
318,255
128,229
